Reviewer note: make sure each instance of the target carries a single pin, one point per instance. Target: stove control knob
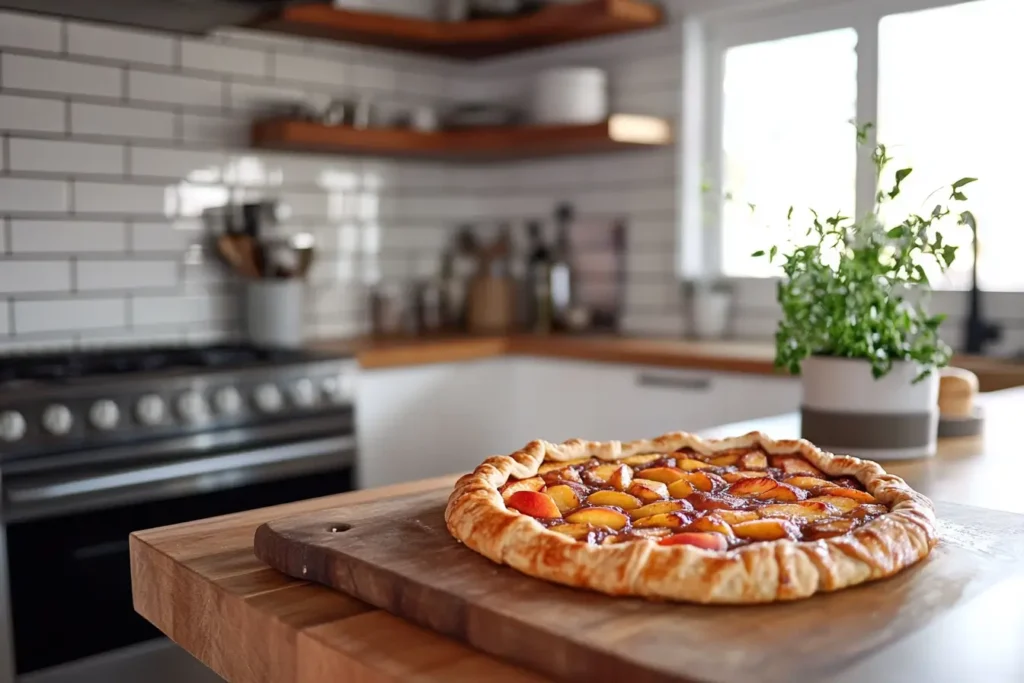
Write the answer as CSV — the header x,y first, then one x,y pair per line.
x,y
12,426
340,389
268,398
150,410
57,419
303,393
104,415
192,407
228,401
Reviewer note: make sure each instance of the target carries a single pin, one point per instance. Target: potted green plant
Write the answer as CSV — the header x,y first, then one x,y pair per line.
x,y
855,322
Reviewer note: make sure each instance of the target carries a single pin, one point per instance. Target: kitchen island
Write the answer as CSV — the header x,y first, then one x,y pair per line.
x,y
202,586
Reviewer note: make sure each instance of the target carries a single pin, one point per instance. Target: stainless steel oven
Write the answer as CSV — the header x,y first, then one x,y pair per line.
x,y
66,513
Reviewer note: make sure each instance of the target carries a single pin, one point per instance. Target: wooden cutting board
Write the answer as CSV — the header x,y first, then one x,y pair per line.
x,y
397,554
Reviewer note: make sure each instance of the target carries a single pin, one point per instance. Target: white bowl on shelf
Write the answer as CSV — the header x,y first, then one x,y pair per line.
x,y
570,96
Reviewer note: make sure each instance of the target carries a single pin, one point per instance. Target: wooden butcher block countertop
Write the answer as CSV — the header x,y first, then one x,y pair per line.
x,y
751,357
201,585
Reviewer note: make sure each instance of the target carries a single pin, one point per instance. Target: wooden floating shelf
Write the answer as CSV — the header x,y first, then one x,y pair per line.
x,y
551,25
620,132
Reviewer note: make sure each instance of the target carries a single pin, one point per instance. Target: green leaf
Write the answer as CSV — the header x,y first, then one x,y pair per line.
x,y
772,253
922,276
752,206
949,254
963,182
902,174
789,214
758,254
896,233
967,218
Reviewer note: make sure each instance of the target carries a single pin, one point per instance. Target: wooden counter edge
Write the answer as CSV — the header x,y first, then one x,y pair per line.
x,y
755,358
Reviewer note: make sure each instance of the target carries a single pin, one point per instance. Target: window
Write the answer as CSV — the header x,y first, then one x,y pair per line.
x,y
933,75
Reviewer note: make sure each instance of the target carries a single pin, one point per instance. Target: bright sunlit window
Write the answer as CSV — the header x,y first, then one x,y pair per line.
x,y
944,104
785,138
947,106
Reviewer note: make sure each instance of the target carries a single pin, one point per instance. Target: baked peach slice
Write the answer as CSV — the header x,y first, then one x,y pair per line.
x,y
853,494
736,516
566,497
666,475
808,483
577,531
614,499
754,460
795,464
766,488
566,474
609,518
622,477
648,491
804,510
671,520
862,511
531,484
829,528
708,541
534,504
699,481
603,472
680,489
842,503
726,458
641,459
690,465
733,477
712,523
766,530
549,466
661,508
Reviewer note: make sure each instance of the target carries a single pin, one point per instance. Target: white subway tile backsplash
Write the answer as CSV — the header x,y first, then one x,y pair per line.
x,y
31,114
59,76
120,43
146,86
108,198
61,156
310,69
73,237
206,56
122,122
127,274
69,315
18,277
249,97
19,194
225,131
181,310
172,236
29,31
191,164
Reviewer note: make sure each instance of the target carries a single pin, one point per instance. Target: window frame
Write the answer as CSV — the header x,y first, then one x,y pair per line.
x,y
709,37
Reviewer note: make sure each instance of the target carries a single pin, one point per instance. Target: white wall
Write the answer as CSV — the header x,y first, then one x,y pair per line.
x,y
115,140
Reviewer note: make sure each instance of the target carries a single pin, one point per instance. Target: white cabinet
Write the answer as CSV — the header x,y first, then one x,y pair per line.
x,y
423,421
561,399
428,420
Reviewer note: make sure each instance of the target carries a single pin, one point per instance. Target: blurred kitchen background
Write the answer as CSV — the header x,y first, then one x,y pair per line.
x,y
207,209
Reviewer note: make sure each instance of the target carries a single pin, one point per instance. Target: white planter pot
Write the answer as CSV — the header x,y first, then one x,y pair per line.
x,y
847,411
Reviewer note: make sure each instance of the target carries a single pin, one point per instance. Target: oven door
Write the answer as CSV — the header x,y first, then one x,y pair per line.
x,y
67,535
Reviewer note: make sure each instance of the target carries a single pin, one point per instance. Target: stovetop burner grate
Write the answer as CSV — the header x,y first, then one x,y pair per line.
x,y
55,367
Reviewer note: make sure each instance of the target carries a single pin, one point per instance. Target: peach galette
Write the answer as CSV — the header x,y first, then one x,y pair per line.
x,y
739,520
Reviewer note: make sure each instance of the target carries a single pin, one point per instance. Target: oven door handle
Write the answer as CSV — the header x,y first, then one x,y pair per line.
x,y
185,477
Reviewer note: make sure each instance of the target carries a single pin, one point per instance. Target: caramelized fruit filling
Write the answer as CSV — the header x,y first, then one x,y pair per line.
x,y
720,501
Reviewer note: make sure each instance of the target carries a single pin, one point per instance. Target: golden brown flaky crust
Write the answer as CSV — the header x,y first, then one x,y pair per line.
x,y
756,573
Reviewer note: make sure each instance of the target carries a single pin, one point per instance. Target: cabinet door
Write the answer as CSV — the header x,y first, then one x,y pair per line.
x,y
431,420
